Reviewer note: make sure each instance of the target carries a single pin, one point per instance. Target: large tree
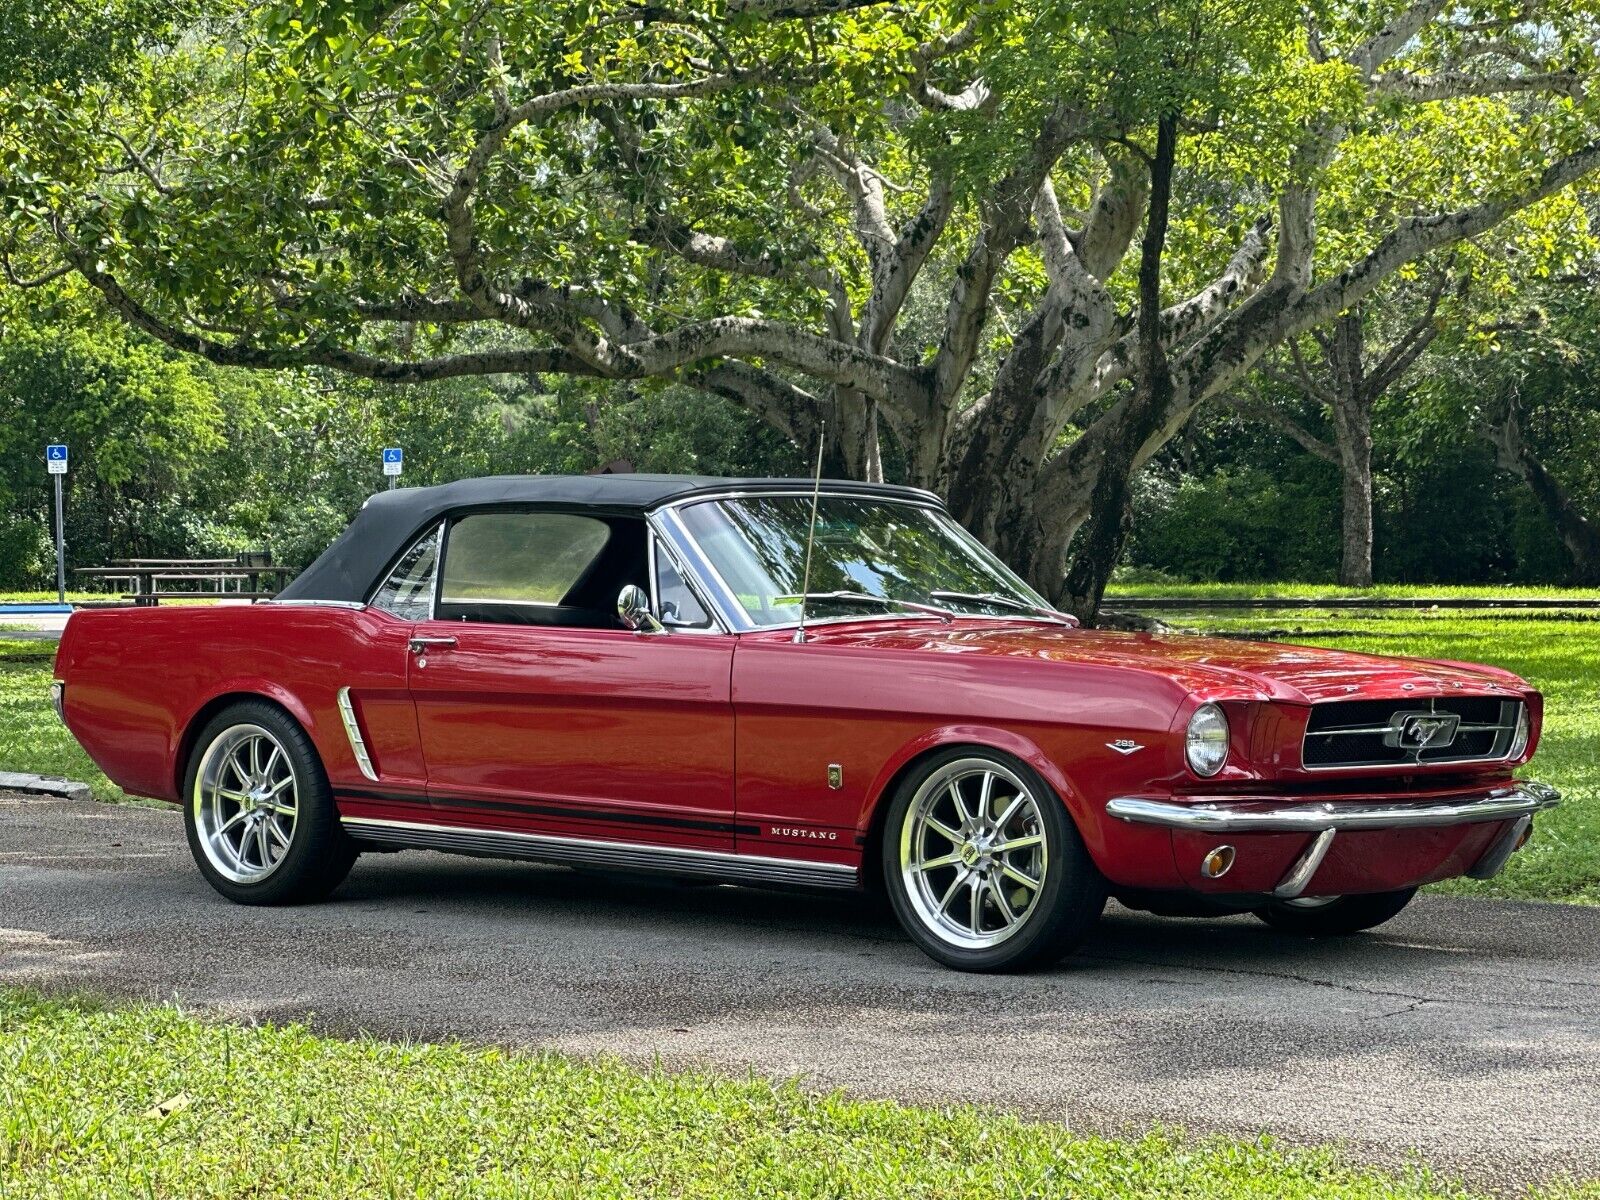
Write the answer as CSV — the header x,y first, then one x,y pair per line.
x,y
907,222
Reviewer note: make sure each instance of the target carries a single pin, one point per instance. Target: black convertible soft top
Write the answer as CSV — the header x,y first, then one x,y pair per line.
x,y
389,521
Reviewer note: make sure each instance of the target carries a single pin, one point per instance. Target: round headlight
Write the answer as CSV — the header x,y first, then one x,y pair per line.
x,y
1207,741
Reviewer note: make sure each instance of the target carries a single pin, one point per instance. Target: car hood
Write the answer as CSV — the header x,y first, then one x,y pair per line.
x,y
1222,667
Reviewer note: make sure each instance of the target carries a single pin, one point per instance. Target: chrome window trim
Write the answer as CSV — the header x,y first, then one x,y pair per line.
x,y
357,604
655,543
699,570
433,593
728,603
767,493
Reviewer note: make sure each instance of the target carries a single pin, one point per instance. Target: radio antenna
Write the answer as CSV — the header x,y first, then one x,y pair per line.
x,y
811,536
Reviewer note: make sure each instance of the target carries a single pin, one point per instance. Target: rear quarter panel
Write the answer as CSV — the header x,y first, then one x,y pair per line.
x,y
137,681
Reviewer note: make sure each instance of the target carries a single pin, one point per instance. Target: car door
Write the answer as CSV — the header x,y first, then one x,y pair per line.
x,y
538,712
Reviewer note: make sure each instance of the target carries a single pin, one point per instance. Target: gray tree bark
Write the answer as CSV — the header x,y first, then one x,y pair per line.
x,y
1578,533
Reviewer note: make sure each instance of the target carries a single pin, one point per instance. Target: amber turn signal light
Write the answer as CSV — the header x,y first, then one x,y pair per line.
x,y
1217,863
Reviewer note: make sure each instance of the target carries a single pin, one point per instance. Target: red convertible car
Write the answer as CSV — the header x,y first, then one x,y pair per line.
x,y
646,674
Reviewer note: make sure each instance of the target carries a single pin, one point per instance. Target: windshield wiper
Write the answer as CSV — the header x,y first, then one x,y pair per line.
x,y
1004,601
944,614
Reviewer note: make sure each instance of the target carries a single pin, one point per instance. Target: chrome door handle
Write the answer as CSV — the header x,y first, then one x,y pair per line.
x,y
421,645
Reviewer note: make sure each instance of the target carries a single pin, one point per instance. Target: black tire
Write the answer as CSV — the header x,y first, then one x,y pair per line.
x,y
1063,909
319,853
1337,918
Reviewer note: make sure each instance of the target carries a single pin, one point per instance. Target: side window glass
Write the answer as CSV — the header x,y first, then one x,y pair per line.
x,y
679,608
519,558
408,592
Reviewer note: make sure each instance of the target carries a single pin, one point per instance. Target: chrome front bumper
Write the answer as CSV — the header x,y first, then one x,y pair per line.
x,y
1515,802
1250,815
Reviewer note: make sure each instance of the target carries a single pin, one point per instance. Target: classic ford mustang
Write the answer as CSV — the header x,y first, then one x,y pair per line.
x,y
745,681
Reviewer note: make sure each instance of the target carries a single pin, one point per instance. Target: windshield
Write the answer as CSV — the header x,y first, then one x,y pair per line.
x,y
863,548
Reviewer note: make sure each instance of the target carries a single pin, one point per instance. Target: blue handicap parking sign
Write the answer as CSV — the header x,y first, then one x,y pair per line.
x,y
55,458
393,458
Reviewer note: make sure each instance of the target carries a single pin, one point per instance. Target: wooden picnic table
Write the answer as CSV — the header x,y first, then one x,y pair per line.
x,y
145,576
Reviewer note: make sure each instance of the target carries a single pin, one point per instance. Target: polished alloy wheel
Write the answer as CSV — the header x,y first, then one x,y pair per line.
x,y
973,853
246,803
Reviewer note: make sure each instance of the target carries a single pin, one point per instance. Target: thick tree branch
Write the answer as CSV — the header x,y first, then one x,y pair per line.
x,y
1391,39
790,409
892,280
1454,85
1220,358
520,361
1271,414
1005,225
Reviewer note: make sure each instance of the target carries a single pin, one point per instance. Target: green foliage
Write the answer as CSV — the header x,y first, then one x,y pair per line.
x,y
1241,523
171,456
139,423
275,1110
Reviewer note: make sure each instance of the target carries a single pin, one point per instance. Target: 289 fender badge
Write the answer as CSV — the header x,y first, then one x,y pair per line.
x,y
1124,746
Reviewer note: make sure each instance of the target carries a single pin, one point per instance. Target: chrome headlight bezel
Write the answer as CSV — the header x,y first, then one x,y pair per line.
x,y
58,699
1206,739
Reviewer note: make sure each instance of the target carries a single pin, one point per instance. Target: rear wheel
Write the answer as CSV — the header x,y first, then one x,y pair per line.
x,y
1336,916
983,866
258,811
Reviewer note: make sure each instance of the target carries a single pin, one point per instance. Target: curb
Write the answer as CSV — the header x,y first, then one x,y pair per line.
x,y
44,785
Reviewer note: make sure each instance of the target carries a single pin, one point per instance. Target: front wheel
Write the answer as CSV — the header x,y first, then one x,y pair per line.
x,y
258,810
983,866
1336,916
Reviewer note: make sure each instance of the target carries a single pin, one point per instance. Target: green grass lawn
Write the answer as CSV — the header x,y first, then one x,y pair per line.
x,y
50,597
147,1101
31,739
1383,591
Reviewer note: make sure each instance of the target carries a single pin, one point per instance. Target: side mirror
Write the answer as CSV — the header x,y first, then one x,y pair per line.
x,y
633,610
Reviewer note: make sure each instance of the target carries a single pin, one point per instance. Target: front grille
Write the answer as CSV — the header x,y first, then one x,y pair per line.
x,y
1408,733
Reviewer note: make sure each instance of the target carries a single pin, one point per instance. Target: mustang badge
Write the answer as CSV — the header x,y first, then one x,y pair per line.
x,y
1421,731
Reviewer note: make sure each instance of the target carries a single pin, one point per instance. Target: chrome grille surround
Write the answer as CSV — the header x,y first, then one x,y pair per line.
x,y
1393,734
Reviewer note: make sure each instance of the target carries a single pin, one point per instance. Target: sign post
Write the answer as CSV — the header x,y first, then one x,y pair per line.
x,y
394,458
55,461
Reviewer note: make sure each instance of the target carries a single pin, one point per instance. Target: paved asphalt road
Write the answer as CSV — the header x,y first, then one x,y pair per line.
x,y
1466,1031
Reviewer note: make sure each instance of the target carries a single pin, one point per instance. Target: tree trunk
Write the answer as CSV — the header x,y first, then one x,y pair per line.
x,y
1578,533
1353,401
851,440
1352,420
1099,541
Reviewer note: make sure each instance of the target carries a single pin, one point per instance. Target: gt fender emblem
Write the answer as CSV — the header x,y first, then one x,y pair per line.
x,y
1124,746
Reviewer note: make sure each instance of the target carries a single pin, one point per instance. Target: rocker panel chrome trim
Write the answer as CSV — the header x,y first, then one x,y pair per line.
x,y
630,856
352,730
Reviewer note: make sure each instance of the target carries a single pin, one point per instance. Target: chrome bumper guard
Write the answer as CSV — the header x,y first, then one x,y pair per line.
x,y
1243,814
